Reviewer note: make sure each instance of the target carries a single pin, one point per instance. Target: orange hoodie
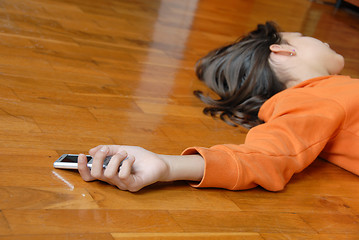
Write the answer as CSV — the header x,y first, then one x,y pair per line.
x,y
318,117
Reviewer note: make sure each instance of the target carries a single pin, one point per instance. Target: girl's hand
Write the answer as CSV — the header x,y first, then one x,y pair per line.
x,y
141,168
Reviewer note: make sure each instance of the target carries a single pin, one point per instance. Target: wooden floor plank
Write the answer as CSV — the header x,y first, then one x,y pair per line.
x,y
53,221
187,236
68,236
51,198
329,236
166,199
219,221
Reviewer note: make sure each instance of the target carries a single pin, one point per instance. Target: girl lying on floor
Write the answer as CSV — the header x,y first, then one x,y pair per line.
x,y
281,85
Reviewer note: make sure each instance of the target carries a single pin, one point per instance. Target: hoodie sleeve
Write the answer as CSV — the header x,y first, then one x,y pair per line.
x,y
293,136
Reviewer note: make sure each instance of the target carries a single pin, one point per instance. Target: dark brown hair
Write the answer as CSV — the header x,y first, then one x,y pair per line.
x,y
241,76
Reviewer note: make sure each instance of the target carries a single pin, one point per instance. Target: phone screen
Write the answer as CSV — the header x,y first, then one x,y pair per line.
x,y
73,159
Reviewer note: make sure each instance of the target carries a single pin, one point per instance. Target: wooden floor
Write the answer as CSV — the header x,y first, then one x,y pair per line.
x,y
75,74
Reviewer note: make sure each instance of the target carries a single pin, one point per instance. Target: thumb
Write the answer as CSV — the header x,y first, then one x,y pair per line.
x,y
83,169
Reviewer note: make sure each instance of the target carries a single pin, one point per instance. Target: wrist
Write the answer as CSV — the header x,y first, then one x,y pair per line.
x,y
186,167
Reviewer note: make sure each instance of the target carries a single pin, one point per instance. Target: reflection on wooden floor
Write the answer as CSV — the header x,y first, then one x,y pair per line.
x,y
75,74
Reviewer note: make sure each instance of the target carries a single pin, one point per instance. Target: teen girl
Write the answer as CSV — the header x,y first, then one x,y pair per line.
x,y
281,85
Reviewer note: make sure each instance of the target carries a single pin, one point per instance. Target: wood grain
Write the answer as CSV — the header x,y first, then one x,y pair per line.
x,y
75,74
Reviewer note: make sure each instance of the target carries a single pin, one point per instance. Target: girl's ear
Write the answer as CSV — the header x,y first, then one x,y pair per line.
x,y
282,49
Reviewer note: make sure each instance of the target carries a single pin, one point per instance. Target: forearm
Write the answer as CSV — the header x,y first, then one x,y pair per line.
x,y
187,167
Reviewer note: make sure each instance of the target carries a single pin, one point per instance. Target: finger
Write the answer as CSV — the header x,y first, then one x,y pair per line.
x,y
112,149
83,169
114,164
94,150
97,163
126,169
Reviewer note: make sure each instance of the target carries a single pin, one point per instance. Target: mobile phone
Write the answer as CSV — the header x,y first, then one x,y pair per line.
x,y
69,161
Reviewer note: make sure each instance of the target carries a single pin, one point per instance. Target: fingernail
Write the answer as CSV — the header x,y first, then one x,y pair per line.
x,y
104,149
